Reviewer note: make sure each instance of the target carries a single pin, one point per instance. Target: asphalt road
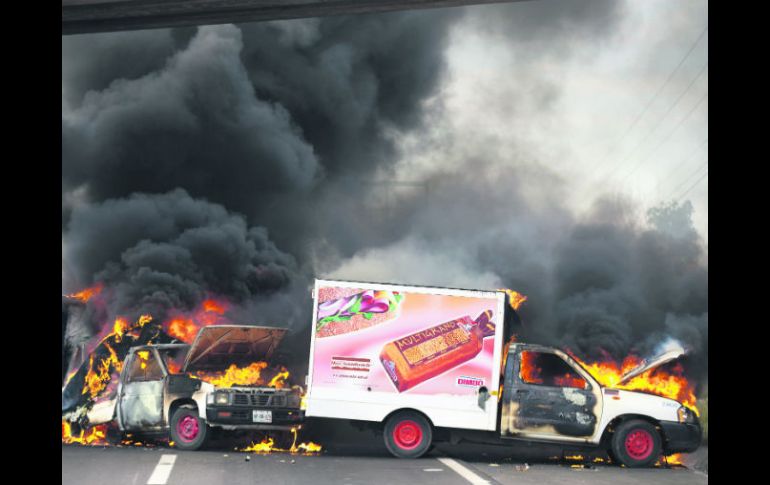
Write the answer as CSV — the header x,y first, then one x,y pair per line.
x,y
364,463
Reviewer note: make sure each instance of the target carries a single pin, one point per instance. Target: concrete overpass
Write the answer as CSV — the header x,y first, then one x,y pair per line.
x,y
84,16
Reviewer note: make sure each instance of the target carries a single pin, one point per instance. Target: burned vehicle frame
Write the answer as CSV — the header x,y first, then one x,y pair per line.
x,y
153,399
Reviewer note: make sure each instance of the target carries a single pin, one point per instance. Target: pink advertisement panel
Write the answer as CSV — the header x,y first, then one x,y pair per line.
x,y
398,342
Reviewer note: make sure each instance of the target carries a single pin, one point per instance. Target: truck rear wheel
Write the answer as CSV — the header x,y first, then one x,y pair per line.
x,y
187,430
636,443
408,435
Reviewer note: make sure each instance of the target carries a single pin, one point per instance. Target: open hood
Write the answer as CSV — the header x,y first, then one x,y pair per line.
x,y
218,346
647,364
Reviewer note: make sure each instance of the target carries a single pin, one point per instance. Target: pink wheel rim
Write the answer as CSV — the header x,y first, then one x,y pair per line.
x,y
187,428
407,435
639,444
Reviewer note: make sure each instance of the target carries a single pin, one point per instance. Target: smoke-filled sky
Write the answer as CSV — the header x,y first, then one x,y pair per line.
x,y
555,147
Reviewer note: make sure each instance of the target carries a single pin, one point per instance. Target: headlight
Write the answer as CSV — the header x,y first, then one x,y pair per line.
x,y
222,398
685,415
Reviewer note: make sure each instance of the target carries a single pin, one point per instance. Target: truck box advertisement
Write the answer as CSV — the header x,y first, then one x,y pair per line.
x,y
388,346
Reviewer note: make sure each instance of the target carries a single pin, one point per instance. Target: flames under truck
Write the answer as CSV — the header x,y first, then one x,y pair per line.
x,y
434,364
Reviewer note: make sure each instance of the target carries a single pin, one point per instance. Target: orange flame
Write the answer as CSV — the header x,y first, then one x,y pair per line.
x,y
173,367
250,375
531,373
214,306
515,298
119,328
99,375
87,294
93,436
670,384
528,371
136,328
675,459
185,326
183,329
267,445
144,356
235,376
101,370
279,381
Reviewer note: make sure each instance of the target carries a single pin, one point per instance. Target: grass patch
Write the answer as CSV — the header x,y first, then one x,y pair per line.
x,y
703,407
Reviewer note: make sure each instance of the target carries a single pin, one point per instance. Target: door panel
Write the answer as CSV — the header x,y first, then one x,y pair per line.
x,y
546,396
141,396
142,405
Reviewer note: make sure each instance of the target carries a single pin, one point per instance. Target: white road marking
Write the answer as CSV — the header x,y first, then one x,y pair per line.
x,y
162,470
433,469
463,471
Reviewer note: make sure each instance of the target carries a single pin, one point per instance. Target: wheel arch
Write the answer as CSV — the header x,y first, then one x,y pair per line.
x,y
609,429
180,402
412,410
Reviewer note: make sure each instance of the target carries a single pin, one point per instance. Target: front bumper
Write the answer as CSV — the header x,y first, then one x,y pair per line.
x,y
241,417
681,437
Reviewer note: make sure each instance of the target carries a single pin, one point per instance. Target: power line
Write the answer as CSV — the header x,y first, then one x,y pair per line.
x,y
692,186
689,177
682,163
654,97
658,124
662,142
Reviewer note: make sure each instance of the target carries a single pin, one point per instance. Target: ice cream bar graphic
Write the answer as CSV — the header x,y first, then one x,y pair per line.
x,y
420,356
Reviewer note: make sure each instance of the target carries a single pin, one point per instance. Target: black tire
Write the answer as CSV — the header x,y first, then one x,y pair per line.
x,y
636,444
408,435
114,435
187,430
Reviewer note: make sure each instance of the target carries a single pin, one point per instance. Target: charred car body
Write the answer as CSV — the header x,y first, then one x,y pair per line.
x,y
158,393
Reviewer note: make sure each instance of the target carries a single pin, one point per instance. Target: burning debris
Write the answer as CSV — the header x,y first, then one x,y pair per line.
x,y
267,445
97,377
89,398
93,436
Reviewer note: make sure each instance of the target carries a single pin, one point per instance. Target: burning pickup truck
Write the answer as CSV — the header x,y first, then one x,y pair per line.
x,y
181,390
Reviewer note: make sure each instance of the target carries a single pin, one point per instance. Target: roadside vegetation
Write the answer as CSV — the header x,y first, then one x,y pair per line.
x,y
703,407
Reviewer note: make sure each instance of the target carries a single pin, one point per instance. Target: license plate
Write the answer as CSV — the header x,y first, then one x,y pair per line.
x,y
262,416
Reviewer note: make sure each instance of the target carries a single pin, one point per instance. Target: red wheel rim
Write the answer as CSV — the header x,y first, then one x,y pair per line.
x,y
187,428
639,444
407,435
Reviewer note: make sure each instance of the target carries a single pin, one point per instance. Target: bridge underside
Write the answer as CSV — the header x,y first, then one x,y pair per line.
x,y
85,16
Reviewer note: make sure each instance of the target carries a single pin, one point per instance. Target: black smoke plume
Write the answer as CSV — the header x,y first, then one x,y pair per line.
x,y
298,126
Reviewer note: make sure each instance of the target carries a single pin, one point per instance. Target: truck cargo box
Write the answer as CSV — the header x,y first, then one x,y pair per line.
x,y
378,348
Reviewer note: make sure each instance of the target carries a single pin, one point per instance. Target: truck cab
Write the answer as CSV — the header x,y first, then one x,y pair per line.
x,y
159,393
548,396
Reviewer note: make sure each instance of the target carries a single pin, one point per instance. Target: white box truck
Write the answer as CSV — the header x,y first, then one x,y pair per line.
x,y
424,364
